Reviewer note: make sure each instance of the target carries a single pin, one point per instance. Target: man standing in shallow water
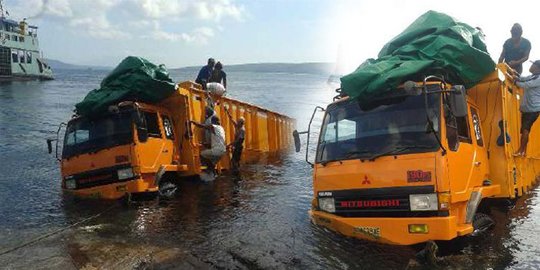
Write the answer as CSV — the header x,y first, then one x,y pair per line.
x,y
516,49
238,144
530,104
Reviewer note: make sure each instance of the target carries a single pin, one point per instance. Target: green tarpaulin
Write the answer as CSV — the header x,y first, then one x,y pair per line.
x,y
133,79
434,44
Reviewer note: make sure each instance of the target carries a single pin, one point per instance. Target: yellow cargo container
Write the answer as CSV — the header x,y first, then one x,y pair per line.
x,y
137,147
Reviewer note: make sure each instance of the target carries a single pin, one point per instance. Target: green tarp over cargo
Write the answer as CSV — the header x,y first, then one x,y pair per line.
x,y
434,44
134,79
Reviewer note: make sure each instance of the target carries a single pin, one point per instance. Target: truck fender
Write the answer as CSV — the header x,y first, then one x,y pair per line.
x,y
472,206
476,197
159,175
163,169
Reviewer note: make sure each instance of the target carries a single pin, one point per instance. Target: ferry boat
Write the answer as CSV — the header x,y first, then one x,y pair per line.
x,y
20,57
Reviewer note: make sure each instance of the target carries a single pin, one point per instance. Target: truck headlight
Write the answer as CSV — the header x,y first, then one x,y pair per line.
x,y
71,184
423,202
327,205
125,173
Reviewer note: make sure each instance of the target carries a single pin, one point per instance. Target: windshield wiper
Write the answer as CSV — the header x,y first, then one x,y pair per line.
x,y
430,124
356,152
348,155
323,146
399,150
432,130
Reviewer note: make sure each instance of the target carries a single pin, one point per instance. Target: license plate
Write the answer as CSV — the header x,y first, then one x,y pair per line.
x,y
374,232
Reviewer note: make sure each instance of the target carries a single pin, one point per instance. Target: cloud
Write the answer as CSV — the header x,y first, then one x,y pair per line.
x,y
216,10
199,35
59,8
127,19
98,27
210,10
158,9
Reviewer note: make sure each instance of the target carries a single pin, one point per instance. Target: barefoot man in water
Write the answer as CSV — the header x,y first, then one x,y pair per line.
x,y
530,104
238,144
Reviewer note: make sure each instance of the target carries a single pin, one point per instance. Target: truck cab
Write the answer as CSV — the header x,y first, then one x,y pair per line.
x,y
410,167
117,153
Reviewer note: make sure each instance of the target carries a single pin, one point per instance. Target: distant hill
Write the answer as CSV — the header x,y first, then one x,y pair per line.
x,y
302,68
55,64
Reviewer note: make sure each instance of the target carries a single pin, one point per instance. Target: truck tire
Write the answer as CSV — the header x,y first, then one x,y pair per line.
x,y
428,255
167,189
481,223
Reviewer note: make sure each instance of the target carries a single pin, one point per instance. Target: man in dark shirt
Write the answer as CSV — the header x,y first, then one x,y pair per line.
x,y
516,49
218,75
205,73
238,143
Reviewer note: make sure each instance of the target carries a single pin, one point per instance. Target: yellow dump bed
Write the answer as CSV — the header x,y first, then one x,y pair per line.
x,y
266,131
498,100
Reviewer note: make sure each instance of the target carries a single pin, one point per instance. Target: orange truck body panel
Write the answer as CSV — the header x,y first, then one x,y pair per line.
x,y
266,132
481,166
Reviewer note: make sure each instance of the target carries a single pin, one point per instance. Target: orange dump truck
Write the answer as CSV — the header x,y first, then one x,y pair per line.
x,y
422,162
138,148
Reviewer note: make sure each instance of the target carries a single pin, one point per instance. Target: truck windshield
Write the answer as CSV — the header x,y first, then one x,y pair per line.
x,y
85,135
398,127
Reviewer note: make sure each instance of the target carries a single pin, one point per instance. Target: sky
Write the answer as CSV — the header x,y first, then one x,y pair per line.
x,y
181,33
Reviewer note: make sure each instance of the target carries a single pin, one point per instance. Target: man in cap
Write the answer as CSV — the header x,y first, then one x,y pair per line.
x,y
516,49
205,73
530,104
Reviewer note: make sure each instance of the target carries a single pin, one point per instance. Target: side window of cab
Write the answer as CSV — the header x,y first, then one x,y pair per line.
x,y
152,124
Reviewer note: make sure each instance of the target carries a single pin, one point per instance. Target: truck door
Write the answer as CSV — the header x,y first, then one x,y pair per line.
x,y
157,149
461,152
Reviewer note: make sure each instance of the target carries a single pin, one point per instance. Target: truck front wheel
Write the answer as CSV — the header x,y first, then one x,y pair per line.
x,y
481,223
167,189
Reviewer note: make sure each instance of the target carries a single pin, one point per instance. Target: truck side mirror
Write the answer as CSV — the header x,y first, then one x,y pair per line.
x,y
140,123
296,137
138,117
142,134
458,101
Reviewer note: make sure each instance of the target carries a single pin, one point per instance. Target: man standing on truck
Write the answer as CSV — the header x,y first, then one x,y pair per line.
x,y
238,143
516,49
217,142
218,75
205,73
530,104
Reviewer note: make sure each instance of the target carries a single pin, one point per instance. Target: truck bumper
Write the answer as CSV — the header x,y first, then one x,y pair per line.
x,y
116,190
393,231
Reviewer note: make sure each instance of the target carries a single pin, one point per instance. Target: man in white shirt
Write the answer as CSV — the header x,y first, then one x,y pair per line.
x,y
530,104
217,142
209,114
